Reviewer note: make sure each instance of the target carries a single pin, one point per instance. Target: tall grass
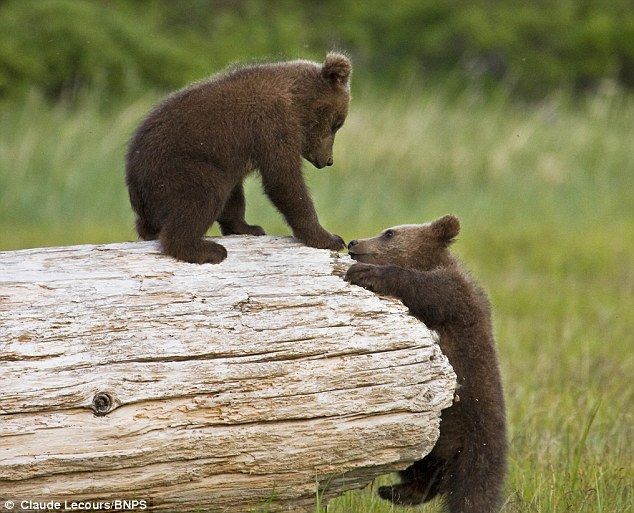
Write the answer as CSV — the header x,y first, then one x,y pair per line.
x,y
546,197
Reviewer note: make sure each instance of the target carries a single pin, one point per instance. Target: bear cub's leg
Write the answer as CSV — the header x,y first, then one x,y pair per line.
x,y
284,185
231,220
146,230
189,218
183,243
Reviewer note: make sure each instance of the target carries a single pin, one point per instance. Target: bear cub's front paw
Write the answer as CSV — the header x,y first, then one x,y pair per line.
x,y
326,241
368,276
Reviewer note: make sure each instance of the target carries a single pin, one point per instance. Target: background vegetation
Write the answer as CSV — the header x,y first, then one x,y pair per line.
x,y
515,116
531,47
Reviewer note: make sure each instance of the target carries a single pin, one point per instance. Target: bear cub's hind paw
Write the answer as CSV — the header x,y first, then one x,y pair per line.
x,y
403,494
203,252
212,254
243,229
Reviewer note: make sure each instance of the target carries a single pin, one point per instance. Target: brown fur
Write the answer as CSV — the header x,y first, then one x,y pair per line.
x,y
468,463
188,159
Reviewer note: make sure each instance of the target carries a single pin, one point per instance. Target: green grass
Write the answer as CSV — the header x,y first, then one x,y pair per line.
x,y
546,198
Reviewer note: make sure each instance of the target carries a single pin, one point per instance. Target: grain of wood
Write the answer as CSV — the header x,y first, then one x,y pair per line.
x,y
256,383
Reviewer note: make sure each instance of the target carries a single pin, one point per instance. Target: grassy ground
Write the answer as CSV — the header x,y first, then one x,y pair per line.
x,y
546,198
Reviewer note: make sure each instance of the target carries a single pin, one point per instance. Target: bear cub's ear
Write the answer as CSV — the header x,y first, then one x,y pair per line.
x,y
336,69
446,228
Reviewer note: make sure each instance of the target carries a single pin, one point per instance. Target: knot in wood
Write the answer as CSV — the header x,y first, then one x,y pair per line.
x,y
102,403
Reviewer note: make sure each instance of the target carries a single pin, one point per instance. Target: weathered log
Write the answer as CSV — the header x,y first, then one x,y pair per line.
x,y
259,382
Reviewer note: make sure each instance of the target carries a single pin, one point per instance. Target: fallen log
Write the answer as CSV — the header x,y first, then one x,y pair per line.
x,y
261,382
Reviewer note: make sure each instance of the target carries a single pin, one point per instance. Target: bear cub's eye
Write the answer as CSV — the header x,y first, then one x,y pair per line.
x,y
388,234
337,125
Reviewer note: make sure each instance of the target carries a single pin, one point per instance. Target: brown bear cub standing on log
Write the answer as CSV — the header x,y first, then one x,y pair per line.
x,y
188,159
468,463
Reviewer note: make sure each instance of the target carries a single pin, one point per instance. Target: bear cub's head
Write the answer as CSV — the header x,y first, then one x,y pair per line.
x,y
328,108
414,246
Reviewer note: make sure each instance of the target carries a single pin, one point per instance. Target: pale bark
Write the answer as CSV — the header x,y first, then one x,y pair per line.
x,y
263,380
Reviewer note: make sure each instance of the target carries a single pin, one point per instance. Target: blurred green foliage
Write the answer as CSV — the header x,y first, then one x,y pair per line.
x,y
61,46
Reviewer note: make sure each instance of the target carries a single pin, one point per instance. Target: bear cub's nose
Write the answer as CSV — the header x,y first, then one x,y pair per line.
x,y
352,243
330,162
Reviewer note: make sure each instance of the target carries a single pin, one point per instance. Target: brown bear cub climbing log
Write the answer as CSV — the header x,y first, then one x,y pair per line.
x,y
468,463
188,159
